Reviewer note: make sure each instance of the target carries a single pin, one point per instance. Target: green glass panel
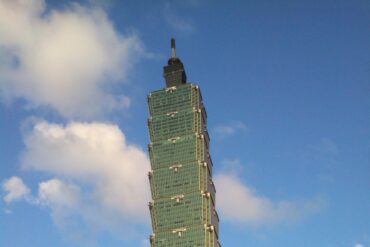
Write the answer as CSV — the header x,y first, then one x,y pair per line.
x,y
199,236
181,178
183,210
176,123
169,100
179,150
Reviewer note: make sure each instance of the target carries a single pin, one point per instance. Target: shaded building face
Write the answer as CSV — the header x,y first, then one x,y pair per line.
x,y
183,207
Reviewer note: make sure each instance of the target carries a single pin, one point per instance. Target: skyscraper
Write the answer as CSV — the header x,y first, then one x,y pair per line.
x,y
183,194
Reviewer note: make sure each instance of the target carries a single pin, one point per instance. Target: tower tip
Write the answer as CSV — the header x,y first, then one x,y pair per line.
x,y
173,48
173,43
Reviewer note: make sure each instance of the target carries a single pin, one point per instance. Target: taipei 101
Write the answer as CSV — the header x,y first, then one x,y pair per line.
x,y
183,207
191,123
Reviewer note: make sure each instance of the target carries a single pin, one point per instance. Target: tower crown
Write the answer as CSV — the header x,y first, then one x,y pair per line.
x,y
174,72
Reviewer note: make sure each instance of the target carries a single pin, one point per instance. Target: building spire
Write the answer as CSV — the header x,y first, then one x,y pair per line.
x,y
173,48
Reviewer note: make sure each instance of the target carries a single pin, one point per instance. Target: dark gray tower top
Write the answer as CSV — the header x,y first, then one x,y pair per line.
x,y
174,72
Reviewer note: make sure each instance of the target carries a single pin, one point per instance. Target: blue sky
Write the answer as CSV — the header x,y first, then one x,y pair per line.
x,y
285,84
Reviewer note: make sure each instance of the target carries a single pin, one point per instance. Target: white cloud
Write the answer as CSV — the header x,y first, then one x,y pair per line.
x,y
56,193
65,202
65,59
359,245
240,203
179,24
99,178
15,189
229,129
231,166
7,211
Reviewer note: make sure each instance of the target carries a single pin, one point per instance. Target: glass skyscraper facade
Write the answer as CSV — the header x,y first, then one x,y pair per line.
x,y
183,194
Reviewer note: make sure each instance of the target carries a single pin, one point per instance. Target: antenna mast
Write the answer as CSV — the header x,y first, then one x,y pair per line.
x,y
173,48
